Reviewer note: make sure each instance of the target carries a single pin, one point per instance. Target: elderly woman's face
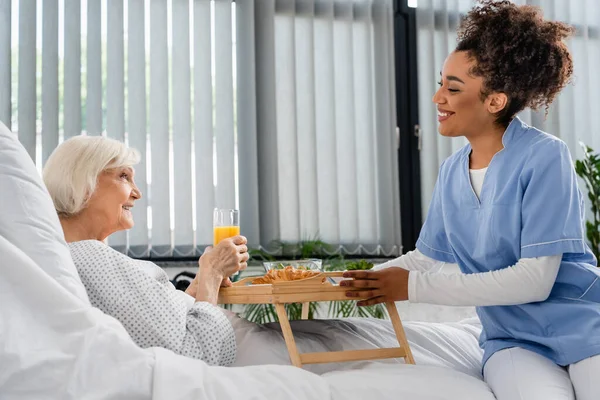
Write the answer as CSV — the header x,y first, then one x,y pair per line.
x,y
111,202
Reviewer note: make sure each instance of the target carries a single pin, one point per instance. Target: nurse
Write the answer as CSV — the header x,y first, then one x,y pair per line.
x,y
507,209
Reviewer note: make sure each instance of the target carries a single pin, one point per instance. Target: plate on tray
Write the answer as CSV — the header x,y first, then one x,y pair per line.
x,y
315,264
280,277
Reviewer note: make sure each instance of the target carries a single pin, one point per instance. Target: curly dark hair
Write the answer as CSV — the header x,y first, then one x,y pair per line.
x,y
517,53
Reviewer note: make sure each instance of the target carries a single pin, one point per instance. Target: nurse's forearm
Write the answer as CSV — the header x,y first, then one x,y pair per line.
x,y
413,261
529,280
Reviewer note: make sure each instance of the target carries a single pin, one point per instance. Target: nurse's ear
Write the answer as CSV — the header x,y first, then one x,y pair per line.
x,y
496,102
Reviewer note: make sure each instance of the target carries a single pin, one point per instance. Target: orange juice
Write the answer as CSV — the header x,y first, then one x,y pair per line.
x,y
224,232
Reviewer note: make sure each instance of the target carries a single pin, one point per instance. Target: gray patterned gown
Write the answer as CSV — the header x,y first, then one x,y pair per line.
x,y
140,295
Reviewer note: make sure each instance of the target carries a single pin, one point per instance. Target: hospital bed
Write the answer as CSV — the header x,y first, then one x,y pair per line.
x,y
55,345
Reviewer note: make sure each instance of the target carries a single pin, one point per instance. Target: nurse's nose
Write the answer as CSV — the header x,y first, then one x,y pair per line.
x,y
437,97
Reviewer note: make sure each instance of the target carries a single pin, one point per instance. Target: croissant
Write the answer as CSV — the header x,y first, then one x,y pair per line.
x,y
287,274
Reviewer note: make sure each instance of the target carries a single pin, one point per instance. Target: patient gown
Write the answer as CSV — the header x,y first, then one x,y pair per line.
x,y
139,294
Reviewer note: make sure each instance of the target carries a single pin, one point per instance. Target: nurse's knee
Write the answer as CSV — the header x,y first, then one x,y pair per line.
x,y
519,374
584,377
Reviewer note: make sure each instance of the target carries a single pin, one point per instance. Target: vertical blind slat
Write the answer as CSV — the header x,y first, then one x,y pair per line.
x,y
287,153
387,185
549,124
27,75
115,89
246,122
182,136
581,58
224,128
326,125
93,112
364,122
159,128
136,120
72,71
305,121
395,243
593,18
428,76
203,122
566,101
5,66
345,127
455,143
569,96
266,121
115,77
49,77
446,146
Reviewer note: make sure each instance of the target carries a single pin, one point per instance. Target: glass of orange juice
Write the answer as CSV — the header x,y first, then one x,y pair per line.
x,y
226,224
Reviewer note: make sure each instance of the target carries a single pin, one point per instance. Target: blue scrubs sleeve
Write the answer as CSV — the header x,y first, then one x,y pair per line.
x,y
433,241
552,211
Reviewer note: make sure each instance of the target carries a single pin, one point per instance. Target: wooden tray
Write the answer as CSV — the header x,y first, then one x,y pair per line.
x,y
306,291
299,291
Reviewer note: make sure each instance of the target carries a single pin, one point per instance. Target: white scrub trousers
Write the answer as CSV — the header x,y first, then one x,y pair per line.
x,y
519,374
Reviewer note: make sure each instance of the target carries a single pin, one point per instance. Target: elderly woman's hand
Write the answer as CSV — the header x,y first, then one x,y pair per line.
x,y
226,258
216,266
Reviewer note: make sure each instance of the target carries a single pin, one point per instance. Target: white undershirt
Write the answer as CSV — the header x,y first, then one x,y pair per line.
x,y
477,176
435,282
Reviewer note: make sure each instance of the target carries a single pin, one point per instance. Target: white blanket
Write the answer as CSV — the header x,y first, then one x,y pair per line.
x,y
453,346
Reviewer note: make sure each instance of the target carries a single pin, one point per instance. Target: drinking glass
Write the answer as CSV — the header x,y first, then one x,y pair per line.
x,y
226,224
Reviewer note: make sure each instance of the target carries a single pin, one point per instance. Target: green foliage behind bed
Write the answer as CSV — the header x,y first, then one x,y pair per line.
x,y
588,169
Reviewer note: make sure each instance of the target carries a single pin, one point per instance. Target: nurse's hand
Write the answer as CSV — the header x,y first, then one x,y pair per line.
x,y
390,284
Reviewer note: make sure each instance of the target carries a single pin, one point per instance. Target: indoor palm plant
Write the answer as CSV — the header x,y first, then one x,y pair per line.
x,y
588,169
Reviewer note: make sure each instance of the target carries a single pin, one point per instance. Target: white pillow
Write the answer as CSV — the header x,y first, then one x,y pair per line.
x,y
28,218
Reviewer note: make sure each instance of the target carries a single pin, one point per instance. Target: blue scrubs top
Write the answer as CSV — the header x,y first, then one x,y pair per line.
x,y
529,206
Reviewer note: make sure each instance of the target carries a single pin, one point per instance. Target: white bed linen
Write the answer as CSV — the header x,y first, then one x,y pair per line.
x,y
411,382
450,345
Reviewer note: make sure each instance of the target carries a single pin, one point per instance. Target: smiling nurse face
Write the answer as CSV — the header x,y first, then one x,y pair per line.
x,y
462,109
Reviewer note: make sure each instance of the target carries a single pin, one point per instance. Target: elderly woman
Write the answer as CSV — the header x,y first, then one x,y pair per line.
x,y
91,182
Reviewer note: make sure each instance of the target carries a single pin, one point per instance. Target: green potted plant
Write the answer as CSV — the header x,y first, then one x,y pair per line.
x,y
588,169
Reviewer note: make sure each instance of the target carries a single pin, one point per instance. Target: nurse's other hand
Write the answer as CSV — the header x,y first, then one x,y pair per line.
x,y
390,284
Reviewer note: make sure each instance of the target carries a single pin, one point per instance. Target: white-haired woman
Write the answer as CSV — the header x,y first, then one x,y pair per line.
x,y
91,182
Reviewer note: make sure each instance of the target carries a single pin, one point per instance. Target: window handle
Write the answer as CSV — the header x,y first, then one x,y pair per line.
x,y
418,133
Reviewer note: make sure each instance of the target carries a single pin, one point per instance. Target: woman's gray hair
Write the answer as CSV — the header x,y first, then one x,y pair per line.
x,y
72,170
